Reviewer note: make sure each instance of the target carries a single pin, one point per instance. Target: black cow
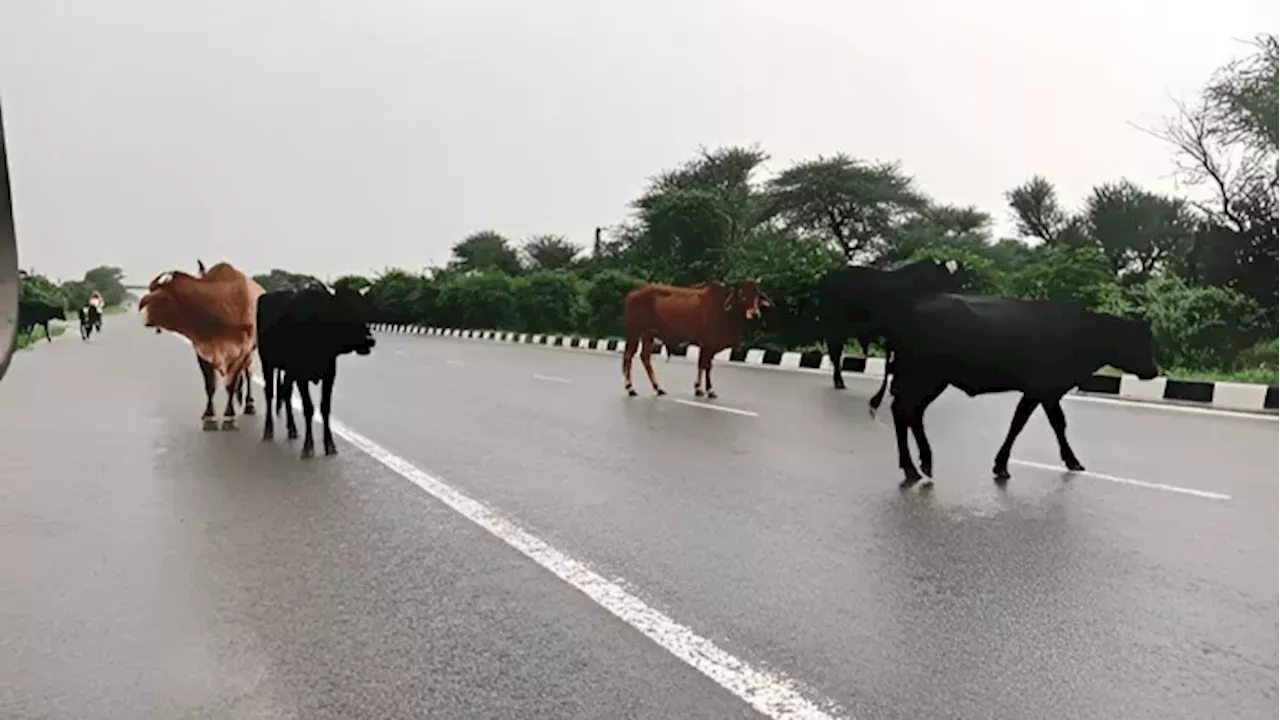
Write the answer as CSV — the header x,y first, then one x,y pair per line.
x,y
849,299
35,312
302,332
980,344
90,320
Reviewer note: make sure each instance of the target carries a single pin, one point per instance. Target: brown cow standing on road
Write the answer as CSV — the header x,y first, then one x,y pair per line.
x,y
217,312
709,316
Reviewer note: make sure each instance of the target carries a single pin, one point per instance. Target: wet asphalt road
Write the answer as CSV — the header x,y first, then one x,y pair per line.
x,y
151,570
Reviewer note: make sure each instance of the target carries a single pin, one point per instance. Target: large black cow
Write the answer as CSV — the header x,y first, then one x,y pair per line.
x,y
35,312
980,344
850,298
302,332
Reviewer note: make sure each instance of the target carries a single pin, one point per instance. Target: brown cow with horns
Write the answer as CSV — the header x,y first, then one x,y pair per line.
x,y
709,316
217,313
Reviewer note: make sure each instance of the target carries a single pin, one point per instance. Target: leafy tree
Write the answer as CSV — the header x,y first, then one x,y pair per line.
x,y
550,252
1201,327
353,282
1068,272
939,226
854,206
76,293
279,279
38,287
685,234
1225,142
486,250
1138,231
727,173
479,300
394,294
109,281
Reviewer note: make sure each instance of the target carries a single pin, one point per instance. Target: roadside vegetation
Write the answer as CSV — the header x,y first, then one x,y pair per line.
x,y
1201,266
71,294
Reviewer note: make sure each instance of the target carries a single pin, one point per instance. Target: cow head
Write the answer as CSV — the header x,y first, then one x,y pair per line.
x,y
1131,346
344,313
160,306
747,296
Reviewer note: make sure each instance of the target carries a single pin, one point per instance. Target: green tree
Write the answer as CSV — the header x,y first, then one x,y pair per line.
x,y
550,252
727,174
1139,232
936,227
38,287
279,279
394,294
549,301
480,300
685,234
109,281
855,207
353,282
1068,272
486,250
605,295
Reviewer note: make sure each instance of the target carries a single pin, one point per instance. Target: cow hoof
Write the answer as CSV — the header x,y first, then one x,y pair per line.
x,y
839,386
308,451
631,392
926,468
209,423
659,392
1073,465
1000,474
697,392
268,435
330,450
711,395
910,476
228,423
250,410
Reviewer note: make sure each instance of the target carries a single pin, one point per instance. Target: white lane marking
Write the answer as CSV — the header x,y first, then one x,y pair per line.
x,y
551,378
1240,414
721,408
771,693
454,362
1113,478
1126,481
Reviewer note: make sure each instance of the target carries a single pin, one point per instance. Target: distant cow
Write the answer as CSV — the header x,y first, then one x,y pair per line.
x,y
35,312
216,312
710,316
849,299
979,344
302,332
90,319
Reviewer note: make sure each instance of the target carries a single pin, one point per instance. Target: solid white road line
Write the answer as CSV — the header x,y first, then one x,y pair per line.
x,y
721,408
1110,478
771,693
1126,481
551,378
1170,407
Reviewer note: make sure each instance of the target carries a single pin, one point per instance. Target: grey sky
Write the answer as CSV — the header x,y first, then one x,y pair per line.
x,y
334,136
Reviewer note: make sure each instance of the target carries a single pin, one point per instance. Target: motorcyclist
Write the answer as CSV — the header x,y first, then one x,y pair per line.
x,y
95,300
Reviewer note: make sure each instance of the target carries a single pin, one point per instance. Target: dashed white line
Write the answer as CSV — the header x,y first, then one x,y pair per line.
x,y
551,378
454,362
721,408
771,693
1126,481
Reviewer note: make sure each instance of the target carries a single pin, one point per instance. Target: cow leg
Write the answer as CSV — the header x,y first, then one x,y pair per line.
x,y
835,351
697,382
646,359
1058,420
917,430
326,402
308,411
291,429
628,351
246,382
47,336
901,422
210,383
878,398
268,394
229,412
1021,414
711,394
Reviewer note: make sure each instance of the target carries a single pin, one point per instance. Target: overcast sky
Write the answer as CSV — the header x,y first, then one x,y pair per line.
x,y
336,136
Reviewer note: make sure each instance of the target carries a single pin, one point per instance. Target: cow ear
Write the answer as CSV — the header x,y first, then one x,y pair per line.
x,y
951,266
364,290
200,265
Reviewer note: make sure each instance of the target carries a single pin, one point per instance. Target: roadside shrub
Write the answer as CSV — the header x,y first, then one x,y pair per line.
x,y
549,301
604,301
484,300
788,268
1206,327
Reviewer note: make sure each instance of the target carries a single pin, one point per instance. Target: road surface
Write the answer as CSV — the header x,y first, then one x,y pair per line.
x,y
152,570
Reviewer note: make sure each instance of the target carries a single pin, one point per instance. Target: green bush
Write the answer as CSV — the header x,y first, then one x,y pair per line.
x,y
604,301
1205,327
1074,272
549,301
788,269
484,300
